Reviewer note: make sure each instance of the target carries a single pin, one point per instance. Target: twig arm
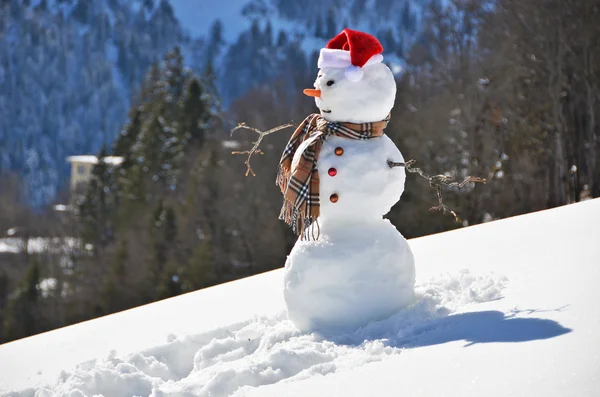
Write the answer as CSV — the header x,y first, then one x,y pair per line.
x,y
436,182
255,150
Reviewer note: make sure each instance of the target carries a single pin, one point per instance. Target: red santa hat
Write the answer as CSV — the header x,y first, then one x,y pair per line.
x,y
352,50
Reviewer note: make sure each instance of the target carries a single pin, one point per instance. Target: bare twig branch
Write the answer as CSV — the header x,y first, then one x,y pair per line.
x,y
437,181
255,150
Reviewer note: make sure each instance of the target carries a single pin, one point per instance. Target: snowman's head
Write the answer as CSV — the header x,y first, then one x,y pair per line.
x,y
369,99
353,85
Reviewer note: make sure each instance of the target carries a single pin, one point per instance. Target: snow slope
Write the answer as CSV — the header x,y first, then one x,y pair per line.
x,y
507,308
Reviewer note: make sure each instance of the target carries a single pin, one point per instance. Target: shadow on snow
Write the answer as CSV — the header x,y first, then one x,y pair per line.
x,y
481,327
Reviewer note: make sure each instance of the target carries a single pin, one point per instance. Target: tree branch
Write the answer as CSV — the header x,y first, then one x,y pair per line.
x,y
437,181
255,150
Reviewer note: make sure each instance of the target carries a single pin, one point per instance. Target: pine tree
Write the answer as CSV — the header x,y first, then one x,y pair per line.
x,y
173,75
215,41
129,143
81,11
113,292
3,290
330,25
124,59
282,39
96,209
211,93
319,27
123,147
200,272
399,49
163,277
408,22
3,304
42,6
151,154
161,143
268,34
159,246
171,115
255,38
23,312
168,121
169,227
171,284
387,39
149,88
194,114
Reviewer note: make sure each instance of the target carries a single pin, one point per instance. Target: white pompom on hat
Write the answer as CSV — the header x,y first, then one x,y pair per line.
x,y
352,50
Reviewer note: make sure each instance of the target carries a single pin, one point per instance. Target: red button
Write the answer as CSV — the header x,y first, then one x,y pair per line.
x,y
332,172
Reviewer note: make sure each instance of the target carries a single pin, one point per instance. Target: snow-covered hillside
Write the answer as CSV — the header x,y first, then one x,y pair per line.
x,y
197,16
67,72
69,68
507,308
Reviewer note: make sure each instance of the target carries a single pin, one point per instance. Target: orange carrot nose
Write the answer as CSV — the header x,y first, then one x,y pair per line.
x,y
311,92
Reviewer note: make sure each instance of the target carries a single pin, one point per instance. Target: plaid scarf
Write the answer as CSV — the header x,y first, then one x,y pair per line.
x,y
300,185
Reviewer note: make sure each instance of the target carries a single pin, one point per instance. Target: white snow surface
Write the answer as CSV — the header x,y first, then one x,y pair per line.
x,y
15,245
89,159
506,308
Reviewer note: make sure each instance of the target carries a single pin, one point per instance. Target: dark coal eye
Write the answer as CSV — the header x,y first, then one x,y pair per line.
x,y
330,83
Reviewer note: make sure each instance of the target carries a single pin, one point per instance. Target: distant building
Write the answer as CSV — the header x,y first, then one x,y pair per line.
x,y
81,170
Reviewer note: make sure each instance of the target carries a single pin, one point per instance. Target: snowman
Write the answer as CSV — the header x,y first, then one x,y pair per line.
x,y
349,266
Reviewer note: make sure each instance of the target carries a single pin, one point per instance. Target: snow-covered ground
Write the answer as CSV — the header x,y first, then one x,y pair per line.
x,y
36,245
507,308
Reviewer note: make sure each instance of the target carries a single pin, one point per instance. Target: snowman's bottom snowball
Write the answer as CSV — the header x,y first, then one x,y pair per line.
x,y
349,277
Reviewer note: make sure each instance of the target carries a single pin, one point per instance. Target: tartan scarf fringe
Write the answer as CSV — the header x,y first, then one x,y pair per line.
x,y
301,225
288,213
300,186
283,178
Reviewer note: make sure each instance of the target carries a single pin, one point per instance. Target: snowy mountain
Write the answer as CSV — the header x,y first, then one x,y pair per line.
x,y
69,68
67,71
506,308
